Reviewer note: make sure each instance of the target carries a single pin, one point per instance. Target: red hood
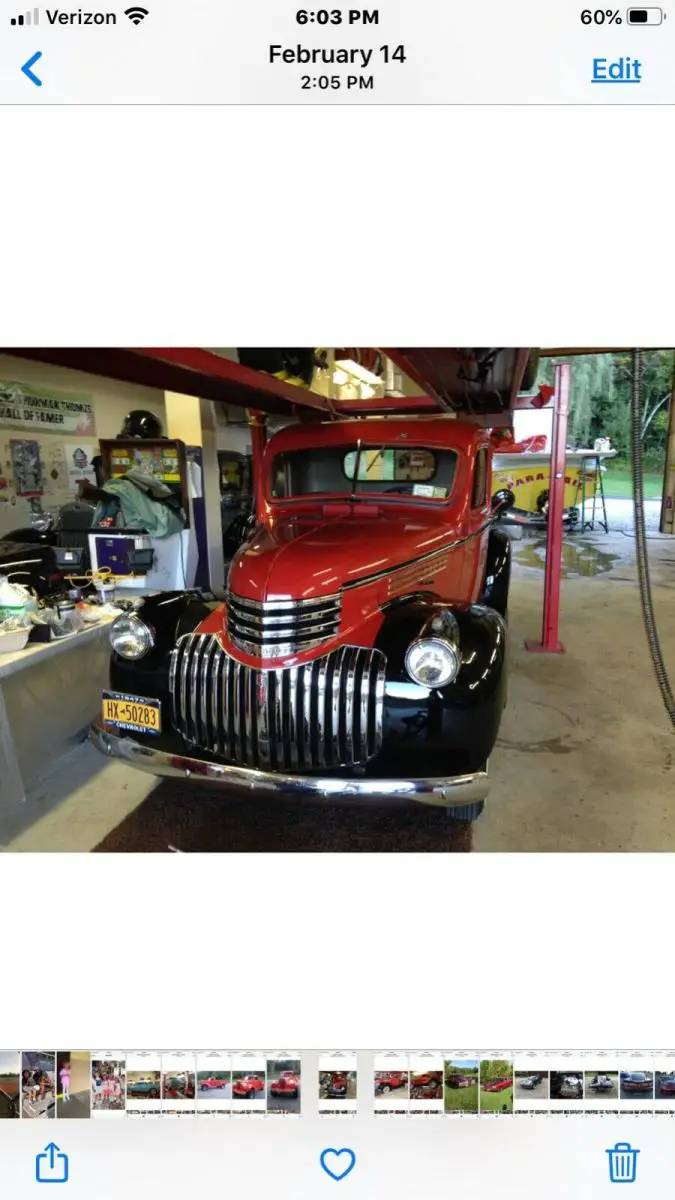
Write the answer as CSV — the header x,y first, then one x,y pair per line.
x,y
305,558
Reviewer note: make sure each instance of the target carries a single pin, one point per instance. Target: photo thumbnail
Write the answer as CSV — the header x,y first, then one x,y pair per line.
x,y
108,1084
461,1085
338,1084
214,1084
73,1084
10,1084
38,1087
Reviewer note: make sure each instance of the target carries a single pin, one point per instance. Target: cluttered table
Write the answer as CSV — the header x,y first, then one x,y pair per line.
x,y
18,660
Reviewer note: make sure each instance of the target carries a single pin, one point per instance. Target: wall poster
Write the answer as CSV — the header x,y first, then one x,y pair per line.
x,y
23,405
27,468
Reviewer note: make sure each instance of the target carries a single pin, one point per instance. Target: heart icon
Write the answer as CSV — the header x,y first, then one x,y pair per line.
x,y
338,1163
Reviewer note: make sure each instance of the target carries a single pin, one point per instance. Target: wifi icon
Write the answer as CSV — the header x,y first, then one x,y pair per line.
x,y
136,14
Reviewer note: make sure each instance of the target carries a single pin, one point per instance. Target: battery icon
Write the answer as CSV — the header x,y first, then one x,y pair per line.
x,y
644,16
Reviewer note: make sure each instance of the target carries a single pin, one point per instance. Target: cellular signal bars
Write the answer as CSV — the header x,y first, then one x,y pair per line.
x,y
29,18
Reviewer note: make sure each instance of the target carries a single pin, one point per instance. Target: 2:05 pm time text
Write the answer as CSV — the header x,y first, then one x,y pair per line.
x,y
364,83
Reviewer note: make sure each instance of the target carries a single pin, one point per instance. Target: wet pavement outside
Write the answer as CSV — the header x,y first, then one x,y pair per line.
x,y
620,517
621,514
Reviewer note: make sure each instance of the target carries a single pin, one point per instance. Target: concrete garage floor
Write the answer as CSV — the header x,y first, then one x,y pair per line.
x,y
584,760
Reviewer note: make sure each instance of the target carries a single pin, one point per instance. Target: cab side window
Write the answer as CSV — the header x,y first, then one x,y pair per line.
x,y
479,495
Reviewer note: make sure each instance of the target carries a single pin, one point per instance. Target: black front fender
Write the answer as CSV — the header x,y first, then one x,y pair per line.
x,y
461,720
482,645
170,615
497,571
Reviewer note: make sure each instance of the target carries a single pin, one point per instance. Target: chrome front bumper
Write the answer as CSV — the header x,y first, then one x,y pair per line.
x,y
454,792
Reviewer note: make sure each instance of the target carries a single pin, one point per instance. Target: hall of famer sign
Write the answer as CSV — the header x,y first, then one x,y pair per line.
x,y
24,406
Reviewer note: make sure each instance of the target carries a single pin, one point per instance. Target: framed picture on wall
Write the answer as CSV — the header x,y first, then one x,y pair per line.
x,y
27,467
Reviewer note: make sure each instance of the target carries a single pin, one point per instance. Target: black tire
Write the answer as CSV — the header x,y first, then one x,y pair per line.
x,y
542,504
467,812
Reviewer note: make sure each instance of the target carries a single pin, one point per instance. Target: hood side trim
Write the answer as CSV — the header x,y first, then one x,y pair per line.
x,y
411,562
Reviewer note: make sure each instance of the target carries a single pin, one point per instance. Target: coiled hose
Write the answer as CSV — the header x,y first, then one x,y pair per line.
x,y
641,540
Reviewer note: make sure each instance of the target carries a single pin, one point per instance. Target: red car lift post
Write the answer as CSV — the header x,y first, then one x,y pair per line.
x,y
258,428
550,643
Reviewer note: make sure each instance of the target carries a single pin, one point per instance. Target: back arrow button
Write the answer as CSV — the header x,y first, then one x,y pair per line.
x,y
26,68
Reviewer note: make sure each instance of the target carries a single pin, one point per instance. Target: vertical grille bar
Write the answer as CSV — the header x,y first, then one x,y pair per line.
x,y
238,743
184,665
208,732
225,707
320,685
176,654
193,688
336,755
246,715
362,694
271,717
351,657
217,701
308,672
276,717
261,683
230,709
252,687
292,716
380,671
299,714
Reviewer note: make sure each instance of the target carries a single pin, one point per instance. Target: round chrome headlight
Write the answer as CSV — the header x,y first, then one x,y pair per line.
x,y
432,662
130,637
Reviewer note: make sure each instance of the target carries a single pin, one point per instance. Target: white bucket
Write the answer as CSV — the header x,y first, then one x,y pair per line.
x,y
14,599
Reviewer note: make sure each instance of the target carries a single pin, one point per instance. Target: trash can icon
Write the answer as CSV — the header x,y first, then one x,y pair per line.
x,y
622,1163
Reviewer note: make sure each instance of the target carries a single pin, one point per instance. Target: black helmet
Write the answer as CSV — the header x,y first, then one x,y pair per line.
x,y
141,424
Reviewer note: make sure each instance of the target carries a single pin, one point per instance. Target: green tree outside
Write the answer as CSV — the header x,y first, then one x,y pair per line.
x,y
600,406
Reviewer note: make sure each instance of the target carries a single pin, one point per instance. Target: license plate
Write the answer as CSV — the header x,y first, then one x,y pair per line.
x,y
132,713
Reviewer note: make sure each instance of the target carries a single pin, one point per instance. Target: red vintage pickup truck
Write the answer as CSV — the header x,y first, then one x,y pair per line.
x,y
220,1081
361,650
390,1081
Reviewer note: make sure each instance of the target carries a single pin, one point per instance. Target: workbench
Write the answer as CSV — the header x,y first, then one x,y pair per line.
x,y
49,693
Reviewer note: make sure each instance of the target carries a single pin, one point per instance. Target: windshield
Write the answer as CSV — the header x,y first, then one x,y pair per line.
x,y
363,470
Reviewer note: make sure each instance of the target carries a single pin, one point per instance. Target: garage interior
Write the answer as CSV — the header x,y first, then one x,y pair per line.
x,y
584,757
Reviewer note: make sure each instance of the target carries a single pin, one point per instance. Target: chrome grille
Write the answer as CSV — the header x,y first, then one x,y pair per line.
x,y
327,713
275,628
